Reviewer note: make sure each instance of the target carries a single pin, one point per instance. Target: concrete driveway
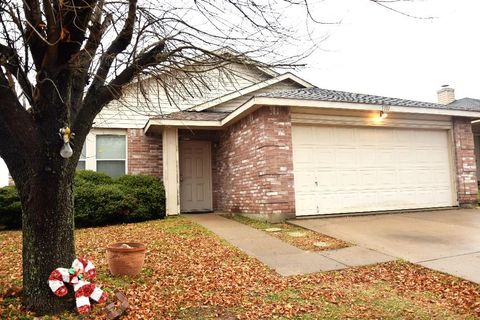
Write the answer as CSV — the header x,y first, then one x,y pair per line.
x,y
447,241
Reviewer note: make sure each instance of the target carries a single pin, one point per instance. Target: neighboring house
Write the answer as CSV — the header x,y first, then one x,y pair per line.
x,y
466,104
276,146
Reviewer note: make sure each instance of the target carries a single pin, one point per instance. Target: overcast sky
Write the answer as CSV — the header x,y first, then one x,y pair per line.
x,y
376,51
3,174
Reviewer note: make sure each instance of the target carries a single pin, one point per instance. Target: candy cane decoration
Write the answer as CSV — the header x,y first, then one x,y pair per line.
x,y
84,291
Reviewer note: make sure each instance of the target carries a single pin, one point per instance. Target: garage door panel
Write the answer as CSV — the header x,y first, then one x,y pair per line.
x,y
404,138
438,158
355,169
326,202
323,136
324,179
384,137
305,181
384,156
365,137
425,155
404,156
386,178
350,202
347,177
343,136
323,157
429,138
304,204
366,178
344,157
304,156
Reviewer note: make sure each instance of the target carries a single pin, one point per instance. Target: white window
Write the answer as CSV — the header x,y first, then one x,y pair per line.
x,y
83,157
105,150
111,154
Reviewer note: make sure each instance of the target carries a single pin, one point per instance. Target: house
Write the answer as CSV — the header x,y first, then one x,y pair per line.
x,y
276,146
467,104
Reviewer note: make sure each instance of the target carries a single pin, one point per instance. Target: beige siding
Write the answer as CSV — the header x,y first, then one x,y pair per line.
x,y
235,103
135,107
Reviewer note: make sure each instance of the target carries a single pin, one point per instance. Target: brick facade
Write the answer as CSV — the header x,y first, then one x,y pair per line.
x,y
144,153
466,170
253,168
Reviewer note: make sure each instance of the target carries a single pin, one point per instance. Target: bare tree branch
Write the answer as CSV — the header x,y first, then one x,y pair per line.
x,y
83,60
120,43
35,30
11,61
97,29
97,98
386,4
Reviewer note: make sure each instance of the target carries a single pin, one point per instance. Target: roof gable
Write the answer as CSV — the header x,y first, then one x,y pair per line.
x,y
250,89
149,98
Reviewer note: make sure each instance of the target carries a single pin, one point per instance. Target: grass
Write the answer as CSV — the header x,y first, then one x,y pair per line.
x,y
189,273
288,231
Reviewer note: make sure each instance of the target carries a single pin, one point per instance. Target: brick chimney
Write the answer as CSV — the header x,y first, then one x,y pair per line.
x,y
446,95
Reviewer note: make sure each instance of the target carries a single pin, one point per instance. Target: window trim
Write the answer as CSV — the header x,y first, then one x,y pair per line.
x,y
91,147
84,159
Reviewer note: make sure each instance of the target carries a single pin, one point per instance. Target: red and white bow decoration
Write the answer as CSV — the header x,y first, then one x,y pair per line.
x,y
81,271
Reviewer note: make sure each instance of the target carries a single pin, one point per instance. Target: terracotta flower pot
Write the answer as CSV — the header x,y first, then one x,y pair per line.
x,y
125,258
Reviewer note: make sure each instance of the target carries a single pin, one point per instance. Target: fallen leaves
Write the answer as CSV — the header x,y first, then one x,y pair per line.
x,y
191,274
296,236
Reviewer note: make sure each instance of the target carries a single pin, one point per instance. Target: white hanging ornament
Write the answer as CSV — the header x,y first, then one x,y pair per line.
x,y
66,134
66,151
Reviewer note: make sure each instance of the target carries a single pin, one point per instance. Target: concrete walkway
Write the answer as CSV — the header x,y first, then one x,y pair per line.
x,y
284,258
447,240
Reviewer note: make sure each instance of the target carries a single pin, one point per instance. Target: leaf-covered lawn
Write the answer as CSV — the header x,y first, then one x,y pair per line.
x,y
192,274
296,236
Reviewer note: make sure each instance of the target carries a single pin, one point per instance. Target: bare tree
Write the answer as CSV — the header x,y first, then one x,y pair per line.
x,y
62,61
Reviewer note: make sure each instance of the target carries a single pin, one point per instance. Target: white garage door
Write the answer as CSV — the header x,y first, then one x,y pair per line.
x,y
359,169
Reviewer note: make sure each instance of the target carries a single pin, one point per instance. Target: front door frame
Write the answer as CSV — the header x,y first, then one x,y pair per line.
x,y
171,179
208,171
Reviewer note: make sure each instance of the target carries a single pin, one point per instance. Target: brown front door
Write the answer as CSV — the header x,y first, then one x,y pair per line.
x,y
195,176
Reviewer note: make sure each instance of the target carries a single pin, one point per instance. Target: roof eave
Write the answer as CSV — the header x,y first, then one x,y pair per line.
x,y
257,102
182,123
363,106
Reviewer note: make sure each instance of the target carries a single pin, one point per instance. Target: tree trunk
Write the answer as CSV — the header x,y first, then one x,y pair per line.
x,y
48,238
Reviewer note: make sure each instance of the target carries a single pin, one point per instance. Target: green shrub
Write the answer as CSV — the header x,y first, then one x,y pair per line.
x,y
100,200
137,180
97,205
149,193
89,176
10,208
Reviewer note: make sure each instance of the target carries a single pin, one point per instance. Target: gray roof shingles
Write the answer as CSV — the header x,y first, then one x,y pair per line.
x,y
319,94
466,104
